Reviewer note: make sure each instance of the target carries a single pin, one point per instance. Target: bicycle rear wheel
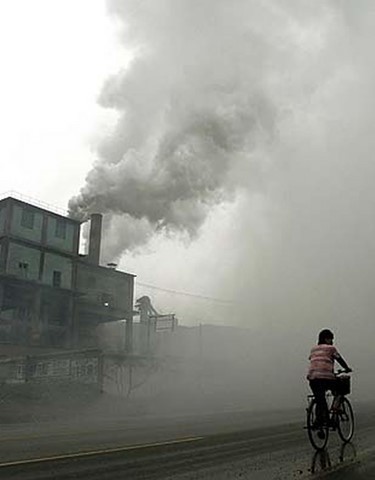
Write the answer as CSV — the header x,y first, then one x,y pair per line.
x,y
318,434
345,421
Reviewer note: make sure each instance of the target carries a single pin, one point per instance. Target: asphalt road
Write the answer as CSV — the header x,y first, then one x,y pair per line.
x,y
229,445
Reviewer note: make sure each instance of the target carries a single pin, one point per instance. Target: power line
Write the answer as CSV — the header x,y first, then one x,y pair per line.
x,y
186,294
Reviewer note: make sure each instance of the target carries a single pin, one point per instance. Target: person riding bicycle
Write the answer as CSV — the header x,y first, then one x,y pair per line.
x,y
321,372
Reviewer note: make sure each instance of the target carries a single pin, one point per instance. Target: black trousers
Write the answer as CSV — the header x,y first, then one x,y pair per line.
x,y
319,388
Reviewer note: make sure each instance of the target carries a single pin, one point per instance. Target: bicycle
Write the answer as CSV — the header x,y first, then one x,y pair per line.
x,y
340,418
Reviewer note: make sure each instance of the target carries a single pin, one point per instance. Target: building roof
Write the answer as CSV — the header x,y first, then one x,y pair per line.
x,y
39,205
82,260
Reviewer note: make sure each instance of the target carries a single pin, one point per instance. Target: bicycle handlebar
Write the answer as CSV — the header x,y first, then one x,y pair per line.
x,y
340,372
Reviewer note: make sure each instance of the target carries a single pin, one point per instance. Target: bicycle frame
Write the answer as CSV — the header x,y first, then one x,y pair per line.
x,y
340,418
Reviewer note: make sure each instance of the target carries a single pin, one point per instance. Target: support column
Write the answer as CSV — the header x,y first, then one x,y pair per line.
x,y
129,320
69,340
35,318
129,335
74,323
1,296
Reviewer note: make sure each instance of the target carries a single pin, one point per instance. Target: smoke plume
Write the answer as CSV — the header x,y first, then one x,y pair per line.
x,y
263,105
196,113
266,109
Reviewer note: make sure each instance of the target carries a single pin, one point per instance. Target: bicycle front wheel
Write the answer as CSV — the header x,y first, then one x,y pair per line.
x,y
318,434
345,421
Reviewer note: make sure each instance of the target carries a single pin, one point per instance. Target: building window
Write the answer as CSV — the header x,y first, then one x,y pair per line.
x,y
56,279
20,372
24,269
60,230
24,313
27,219
42,369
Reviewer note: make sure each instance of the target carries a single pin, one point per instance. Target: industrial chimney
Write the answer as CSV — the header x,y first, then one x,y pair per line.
x,y
95,238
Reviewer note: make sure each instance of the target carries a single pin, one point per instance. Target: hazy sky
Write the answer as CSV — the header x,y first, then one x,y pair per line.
x,y
55,57
242,133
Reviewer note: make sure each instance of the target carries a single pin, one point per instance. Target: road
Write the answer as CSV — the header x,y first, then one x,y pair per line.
x,y
230,445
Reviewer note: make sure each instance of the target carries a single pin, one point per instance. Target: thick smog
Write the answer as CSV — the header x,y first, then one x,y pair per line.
x,y
186,239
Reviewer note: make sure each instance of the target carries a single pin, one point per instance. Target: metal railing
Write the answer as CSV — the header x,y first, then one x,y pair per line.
x,y
33,201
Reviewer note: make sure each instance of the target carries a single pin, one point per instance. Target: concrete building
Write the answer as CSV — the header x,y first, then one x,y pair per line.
x,y
50,295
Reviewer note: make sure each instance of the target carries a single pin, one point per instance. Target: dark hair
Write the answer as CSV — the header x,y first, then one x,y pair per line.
x,y
323,335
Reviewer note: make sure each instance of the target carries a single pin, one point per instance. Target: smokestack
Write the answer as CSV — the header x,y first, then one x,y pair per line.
x,y
95,238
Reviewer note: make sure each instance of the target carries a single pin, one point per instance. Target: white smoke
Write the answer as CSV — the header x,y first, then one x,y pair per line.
x,y
198,110
267,107
254,100
250,123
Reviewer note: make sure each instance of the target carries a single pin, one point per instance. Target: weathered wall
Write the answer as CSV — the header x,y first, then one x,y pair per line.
x,y
111,337
20,254
103,285
60,234
19,228
79,367
2,219
57,263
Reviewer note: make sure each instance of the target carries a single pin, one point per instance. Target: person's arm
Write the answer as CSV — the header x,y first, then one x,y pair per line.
x,y
342,362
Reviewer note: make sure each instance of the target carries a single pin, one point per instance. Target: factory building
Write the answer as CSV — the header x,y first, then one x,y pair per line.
x,y
50,295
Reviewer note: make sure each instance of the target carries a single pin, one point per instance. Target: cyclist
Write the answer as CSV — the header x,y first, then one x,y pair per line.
x,y
321,374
